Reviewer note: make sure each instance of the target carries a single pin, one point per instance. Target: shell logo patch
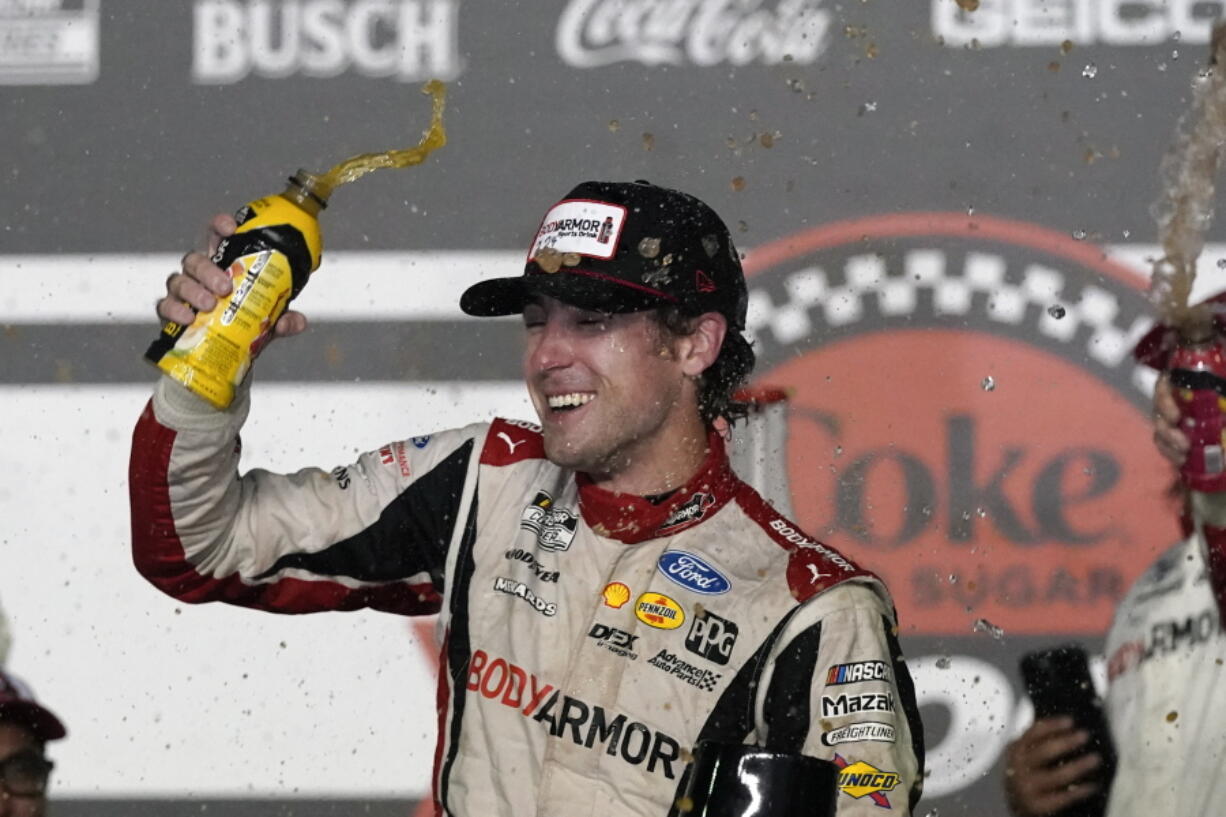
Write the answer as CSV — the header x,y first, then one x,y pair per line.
x,y
862,779
616,595
659,611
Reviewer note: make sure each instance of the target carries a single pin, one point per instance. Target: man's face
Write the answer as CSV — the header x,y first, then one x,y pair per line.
x,y
607,388
17,744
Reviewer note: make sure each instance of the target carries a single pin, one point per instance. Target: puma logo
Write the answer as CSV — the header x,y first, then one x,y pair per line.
x,y
511,444
817,575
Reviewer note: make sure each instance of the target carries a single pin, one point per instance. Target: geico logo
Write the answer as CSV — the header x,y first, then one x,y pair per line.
x,y
797,538
410,40
592,33
567,717
614,636
851,704
1044,23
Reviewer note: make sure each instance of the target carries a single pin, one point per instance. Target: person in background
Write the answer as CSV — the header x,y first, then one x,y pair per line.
x,y
1166,665
25,729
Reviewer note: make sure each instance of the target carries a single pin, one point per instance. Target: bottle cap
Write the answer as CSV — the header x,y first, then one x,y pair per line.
x,y
311,186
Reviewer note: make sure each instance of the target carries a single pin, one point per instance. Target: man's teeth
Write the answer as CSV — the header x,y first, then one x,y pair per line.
x,y
558,401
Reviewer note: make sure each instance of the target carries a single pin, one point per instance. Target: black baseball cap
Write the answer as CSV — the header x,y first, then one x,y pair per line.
x,y
625,247
18,705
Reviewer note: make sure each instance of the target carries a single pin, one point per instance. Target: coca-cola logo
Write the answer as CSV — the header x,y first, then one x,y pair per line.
x,y
966,418
593,33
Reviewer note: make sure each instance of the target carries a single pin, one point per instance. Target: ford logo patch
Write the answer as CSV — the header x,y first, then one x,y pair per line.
x,y
693,573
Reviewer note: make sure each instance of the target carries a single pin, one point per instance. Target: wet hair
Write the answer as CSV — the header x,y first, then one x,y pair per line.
x,y
719,383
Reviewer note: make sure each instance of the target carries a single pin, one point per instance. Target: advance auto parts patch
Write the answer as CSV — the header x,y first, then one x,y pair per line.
x,y
966,418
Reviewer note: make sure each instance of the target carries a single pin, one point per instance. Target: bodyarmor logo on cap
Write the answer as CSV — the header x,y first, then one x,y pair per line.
x,y
554,527
590,228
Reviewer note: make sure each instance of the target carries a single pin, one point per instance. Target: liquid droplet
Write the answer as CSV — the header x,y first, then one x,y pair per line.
x,y
1056,311
943,662
982,625
988,384
1090,71
1079,235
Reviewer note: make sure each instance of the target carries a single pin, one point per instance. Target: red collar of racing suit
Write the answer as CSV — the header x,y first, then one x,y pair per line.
x,y
632,519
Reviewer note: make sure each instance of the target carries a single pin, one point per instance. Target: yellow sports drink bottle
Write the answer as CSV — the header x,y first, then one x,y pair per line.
x,y
277,245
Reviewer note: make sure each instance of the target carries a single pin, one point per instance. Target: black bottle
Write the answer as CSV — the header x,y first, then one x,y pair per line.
x,y
1058,682
735,780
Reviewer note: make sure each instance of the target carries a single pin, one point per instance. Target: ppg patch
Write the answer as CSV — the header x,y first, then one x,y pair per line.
x,y
856,672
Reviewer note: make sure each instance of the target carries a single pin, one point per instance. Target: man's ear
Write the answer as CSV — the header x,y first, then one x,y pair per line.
x,y
699,349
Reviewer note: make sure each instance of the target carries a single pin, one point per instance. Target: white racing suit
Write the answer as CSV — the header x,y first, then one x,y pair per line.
x,y
1165,693
590,639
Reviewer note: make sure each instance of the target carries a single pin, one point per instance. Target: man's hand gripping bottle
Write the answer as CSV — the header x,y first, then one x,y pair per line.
x,y
276,247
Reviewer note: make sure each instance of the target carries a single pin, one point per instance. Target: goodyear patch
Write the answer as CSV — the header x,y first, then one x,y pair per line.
x,y
860,779
659,611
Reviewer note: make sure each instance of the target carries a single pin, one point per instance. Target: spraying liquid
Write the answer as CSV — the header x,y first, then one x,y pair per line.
x,y
1185,211
270,256
1197,365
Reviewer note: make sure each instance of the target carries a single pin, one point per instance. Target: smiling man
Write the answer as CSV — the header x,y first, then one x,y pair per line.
x,y
611,592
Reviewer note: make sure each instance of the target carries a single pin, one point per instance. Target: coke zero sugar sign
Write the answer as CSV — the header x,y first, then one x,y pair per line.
x,y
966,416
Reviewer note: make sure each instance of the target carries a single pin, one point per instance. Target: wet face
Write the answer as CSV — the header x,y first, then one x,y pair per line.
x,y
17,744
612,391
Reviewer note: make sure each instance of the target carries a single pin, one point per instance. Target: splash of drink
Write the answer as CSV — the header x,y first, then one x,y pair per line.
x,y
356,167
1185,210
269,257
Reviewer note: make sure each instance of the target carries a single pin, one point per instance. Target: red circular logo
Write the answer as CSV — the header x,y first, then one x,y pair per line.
x,y
966,418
